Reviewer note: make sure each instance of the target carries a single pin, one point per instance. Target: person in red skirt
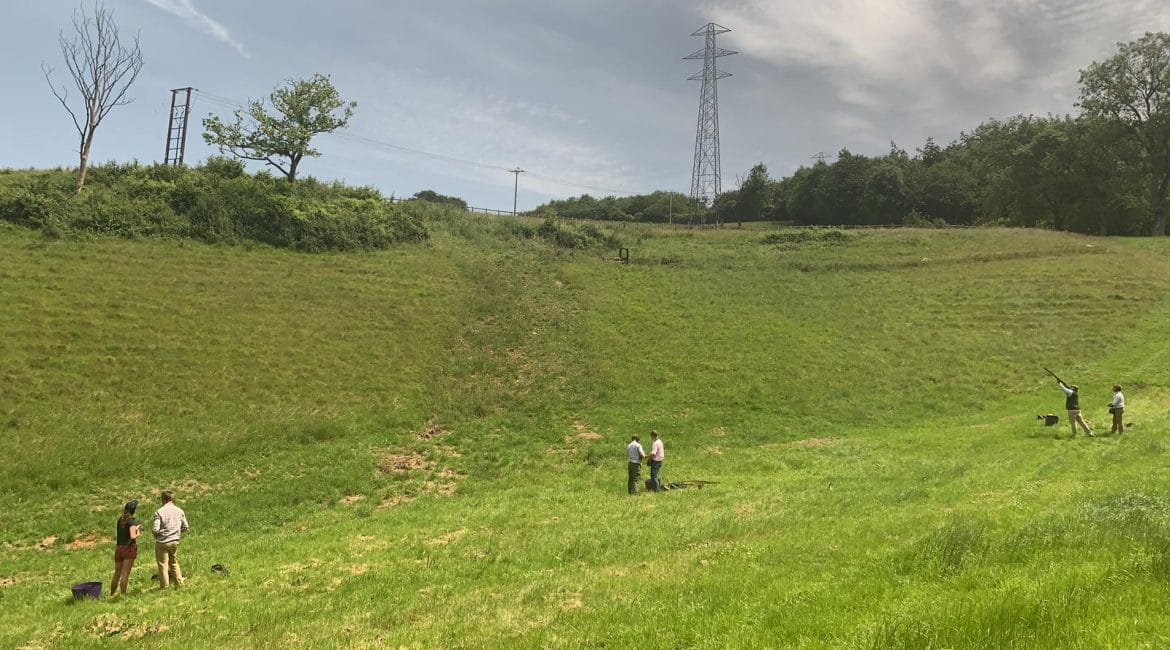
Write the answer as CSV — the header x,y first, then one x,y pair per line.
x,y
127,549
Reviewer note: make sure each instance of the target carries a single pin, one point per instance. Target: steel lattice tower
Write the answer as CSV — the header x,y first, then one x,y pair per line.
x,y
705,176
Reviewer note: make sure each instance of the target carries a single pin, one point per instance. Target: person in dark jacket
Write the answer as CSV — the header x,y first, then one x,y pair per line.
x,y
1072,404
126,550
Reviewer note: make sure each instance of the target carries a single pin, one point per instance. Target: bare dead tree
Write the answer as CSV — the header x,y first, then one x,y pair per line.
x,y
102,68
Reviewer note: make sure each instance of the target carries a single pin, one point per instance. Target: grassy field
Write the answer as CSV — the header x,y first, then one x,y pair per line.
x,y
424,447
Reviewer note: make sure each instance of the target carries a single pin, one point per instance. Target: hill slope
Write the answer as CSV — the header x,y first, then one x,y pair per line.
x,y
424,446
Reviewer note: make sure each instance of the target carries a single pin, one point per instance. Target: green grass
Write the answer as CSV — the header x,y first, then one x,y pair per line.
x,y
423,447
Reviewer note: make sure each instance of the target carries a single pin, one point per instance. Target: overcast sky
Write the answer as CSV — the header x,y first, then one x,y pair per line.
x,y
589,92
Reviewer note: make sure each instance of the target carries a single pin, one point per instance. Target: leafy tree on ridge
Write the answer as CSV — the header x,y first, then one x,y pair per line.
x,y
301,109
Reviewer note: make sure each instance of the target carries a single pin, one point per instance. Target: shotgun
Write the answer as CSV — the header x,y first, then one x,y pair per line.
x,y
1058,379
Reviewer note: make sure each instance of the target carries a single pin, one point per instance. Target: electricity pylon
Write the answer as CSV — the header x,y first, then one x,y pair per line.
x,y
705,175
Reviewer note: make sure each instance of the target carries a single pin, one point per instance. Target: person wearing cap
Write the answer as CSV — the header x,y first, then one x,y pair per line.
x,y
170,522
126,549
635,454
1072,404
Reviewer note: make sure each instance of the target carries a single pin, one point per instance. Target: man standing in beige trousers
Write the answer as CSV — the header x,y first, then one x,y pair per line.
x,y
170,523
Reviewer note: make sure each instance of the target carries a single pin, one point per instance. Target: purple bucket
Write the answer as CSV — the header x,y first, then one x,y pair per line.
x,y
87,590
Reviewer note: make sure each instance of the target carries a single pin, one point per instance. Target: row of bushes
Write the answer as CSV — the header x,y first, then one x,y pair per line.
x,y
215,202
584,235
826,236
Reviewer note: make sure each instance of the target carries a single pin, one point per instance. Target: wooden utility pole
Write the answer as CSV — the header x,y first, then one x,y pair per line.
x,y
515,186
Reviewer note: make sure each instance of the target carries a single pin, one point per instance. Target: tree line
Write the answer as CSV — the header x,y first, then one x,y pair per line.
x,y
1105,171
658,207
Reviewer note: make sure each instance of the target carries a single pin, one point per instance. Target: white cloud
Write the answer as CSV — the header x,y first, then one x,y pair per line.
x,y
467,121
186,10
938,64
876,55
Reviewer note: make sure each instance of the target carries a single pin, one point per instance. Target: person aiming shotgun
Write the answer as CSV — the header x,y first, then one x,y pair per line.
x,y
1072,404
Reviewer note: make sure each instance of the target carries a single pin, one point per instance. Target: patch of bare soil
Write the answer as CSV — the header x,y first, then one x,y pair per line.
x,y
583,432
297,567
409,465
395,500
8,581
401,463
432,430
185,487
111,625
87,541
440,488
448,451
443,540
815,442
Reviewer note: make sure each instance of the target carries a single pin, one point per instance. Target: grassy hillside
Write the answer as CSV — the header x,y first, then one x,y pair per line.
x,y
424,446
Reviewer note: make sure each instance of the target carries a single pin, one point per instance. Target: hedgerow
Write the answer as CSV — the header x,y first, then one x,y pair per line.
x,y
217,202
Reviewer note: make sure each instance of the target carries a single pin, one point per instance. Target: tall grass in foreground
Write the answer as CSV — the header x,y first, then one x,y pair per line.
x,y
424,447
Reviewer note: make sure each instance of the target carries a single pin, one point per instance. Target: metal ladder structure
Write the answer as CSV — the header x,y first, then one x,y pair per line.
x,y
177,126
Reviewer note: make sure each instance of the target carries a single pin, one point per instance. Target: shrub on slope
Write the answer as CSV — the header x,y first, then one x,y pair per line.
x,y
217,202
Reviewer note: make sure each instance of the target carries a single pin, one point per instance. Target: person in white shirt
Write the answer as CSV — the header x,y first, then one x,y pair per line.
x,y
1117,408
170,522
635,454
657,455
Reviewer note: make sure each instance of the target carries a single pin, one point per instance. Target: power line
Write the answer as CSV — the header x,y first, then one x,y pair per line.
x,y
219,99
227,102
216,102
582,186
397,147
